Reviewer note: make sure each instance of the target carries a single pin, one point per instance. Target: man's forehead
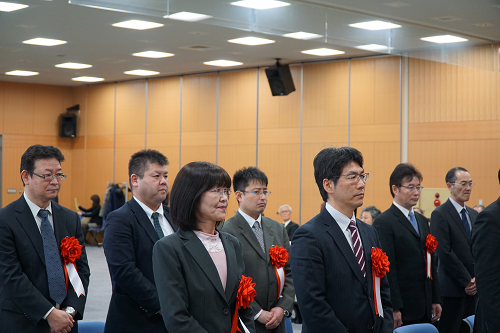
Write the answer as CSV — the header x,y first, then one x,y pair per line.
x,y
255,183
47,163
352,167
462,175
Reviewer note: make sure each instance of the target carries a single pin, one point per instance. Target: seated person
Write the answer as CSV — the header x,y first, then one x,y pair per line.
x,y
94,221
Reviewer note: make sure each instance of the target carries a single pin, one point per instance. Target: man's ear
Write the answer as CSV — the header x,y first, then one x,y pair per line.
x,y
394,189
134,180
449,185
328,185
238,195
25,176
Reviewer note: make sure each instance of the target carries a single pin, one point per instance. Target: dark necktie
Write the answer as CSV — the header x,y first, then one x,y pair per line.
x,y
413,222
358,249
257,230
156,222
55,274
465,222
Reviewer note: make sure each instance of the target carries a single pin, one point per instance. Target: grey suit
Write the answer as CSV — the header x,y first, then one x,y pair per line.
x,y
258,265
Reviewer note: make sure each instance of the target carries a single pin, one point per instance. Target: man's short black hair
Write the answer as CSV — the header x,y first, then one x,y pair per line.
x,y
403,172
38,152
330,162
138,163
451,174
190,183
242,178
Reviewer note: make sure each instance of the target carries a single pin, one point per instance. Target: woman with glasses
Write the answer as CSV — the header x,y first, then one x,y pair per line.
x,y
198,269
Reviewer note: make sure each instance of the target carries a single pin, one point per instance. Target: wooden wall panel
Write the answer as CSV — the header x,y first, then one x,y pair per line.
x,y
50,102
163,109
101,110
2,105
131,108
99,170
19,108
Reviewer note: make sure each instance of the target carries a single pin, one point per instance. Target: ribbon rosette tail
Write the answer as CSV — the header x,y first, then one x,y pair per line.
x,y
431,246
380,267
71,250
245,296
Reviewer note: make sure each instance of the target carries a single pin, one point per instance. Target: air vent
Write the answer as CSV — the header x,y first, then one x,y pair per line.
x,y
447,18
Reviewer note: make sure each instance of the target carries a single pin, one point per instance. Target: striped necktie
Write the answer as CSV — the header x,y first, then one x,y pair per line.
x,y
358,249
257,230
157,225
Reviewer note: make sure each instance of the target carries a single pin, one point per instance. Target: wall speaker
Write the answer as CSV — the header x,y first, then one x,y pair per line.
x,y
280,80
68,126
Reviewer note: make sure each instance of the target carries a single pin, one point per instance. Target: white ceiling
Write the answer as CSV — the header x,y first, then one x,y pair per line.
x,y
92,40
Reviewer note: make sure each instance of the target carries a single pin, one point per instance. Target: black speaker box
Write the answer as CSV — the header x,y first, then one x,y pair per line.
x,y
280,80
68,126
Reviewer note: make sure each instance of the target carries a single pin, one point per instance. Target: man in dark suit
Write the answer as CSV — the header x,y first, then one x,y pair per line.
x,y
331,254
451,224
33,293
257,234
131,232
415,296
486,250
285,212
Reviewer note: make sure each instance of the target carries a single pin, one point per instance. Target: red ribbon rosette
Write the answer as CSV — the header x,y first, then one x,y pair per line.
x,y
279,256
71,250
431,245
246,294
380,267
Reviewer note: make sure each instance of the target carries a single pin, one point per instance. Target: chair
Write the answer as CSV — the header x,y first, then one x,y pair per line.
x,y
90,326
96,231
470,322
417,328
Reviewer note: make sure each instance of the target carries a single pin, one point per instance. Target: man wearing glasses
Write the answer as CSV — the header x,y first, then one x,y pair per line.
x,y
451,224
414,291
257,234
34,296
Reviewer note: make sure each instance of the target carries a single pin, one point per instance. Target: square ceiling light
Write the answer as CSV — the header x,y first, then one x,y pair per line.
x,y
444,39
73,65
44,42
260,4
375,25
21,73
323,52
223,63
252,41
153,54
137,25
87,79
374,47
141,72
188,16
10,7
302,35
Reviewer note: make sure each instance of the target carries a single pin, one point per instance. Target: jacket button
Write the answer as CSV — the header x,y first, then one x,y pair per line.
x,y
225,311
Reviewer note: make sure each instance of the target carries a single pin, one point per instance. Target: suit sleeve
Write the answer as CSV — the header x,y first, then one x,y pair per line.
x,y
288,296
172,290
308,269
447,257
121,257
386,237
486,249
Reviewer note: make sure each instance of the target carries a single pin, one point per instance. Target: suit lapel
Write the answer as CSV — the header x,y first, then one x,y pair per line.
x,y
232,264
268,237
197,250
28,223
248,234
457,218
367,248
143,219
60,223
404,220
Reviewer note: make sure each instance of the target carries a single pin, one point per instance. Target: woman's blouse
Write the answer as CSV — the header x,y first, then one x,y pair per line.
x,y
214,246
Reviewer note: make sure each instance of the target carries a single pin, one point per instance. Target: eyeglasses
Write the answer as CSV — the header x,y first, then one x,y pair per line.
x,y
222,191
58,176
355,177
413,188
465,184
258,193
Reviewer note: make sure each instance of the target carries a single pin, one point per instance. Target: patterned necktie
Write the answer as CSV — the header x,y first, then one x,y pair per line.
x,y
55,274
413,222
257,230
156,222
465,222
358,249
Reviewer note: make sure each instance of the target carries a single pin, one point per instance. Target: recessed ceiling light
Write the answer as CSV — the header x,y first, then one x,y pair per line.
x,y
223,63
188,16
323,52
302,35
10,7
44,41
375,25
73,65
260,4
137,25
22,73
252,41
374,47
153,54
87,79
141,72
444,39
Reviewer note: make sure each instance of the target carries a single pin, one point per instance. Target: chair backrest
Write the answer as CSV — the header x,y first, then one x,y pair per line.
x,y
417,328
470,322
91,327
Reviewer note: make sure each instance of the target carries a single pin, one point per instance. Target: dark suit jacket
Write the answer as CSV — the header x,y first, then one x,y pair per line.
x,y
486,249
411,291
290,229
128,244
24,291
191,294
332,293
258,265
456,265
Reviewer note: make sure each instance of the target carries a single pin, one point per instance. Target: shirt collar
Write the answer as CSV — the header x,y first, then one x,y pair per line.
x,y
287,222
457,206
342,220
403,210
250,220
34,207
149,211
